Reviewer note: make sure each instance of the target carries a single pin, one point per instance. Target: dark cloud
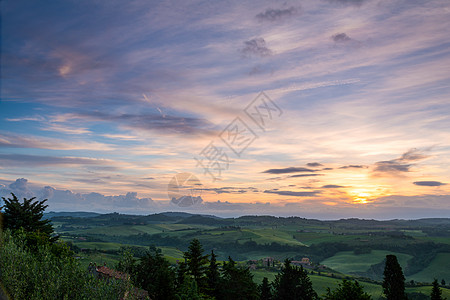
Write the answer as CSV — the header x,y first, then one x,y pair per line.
x,y
400,165
314,164
327,169
275,15
332,186
305,175
341,38
348,2
429,183
288,170
292,193
154,122
256,47
353,167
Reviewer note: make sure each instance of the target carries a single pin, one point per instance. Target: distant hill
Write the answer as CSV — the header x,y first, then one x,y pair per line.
x,y
76,214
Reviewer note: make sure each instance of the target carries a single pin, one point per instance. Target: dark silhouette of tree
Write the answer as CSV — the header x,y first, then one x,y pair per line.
x,y
436,293
394,280
237,283
348,290
27,215
154,274
213,276
265,290
443,282
293,283
197,263
188,290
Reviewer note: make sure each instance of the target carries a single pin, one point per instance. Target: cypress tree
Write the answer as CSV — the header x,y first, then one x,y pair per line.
x,y
436,293
394,280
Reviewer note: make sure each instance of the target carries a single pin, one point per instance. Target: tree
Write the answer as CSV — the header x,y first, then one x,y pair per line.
x,y
213,276
348,290
394,280
436,293
443,282
293,283
237,283
154,274
188,290
265,290
27,215
127,262
196,263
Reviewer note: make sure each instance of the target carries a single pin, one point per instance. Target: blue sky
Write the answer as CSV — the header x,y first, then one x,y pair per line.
x,y
104,102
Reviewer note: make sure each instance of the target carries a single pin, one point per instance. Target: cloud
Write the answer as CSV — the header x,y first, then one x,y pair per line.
x,y
332,186
231,190
18,187
341,38
305,175
256,47
38,160
314,164
348,2
400,165
353,167
292,193
429,183
168,124
288,170
274,15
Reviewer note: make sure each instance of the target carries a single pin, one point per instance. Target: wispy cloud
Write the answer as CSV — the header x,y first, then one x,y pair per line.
x,y
293,193
288,170
400,165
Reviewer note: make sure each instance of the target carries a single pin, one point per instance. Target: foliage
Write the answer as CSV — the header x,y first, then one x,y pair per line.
x,y
28,215
188,290
43,275
127,262
196,263
237,283
394,280
436,293
265,290
213,276
348,290
293,283
154,274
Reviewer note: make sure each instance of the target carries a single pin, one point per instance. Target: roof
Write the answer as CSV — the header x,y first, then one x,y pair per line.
x,y
111,273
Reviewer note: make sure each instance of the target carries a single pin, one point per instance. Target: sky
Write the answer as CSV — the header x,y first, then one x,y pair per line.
x,y
318,108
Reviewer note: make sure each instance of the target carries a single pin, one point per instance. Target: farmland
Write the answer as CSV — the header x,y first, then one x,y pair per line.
x,y
349,248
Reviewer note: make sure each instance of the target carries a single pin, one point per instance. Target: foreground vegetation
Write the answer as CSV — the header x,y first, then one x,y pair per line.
x,y
36,264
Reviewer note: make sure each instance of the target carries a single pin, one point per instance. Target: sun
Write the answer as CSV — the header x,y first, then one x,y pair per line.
x,y
360,196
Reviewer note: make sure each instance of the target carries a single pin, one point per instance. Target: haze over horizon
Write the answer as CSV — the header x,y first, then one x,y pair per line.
x,y
104,102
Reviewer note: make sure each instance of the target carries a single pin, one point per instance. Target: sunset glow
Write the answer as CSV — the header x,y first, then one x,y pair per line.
x,y
103,104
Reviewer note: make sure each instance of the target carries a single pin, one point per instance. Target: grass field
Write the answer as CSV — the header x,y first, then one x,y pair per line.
x,y
321,283
439,269
347,262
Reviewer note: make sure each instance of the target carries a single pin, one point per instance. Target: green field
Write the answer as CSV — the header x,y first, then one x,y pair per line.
x,y
439,268
347,262
321,283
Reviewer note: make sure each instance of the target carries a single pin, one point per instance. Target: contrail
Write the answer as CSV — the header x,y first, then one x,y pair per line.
x,y
312,85
148,100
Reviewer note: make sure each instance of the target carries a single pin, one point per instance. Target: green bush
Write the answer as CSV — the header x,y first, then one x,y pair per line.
x,y
44,274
